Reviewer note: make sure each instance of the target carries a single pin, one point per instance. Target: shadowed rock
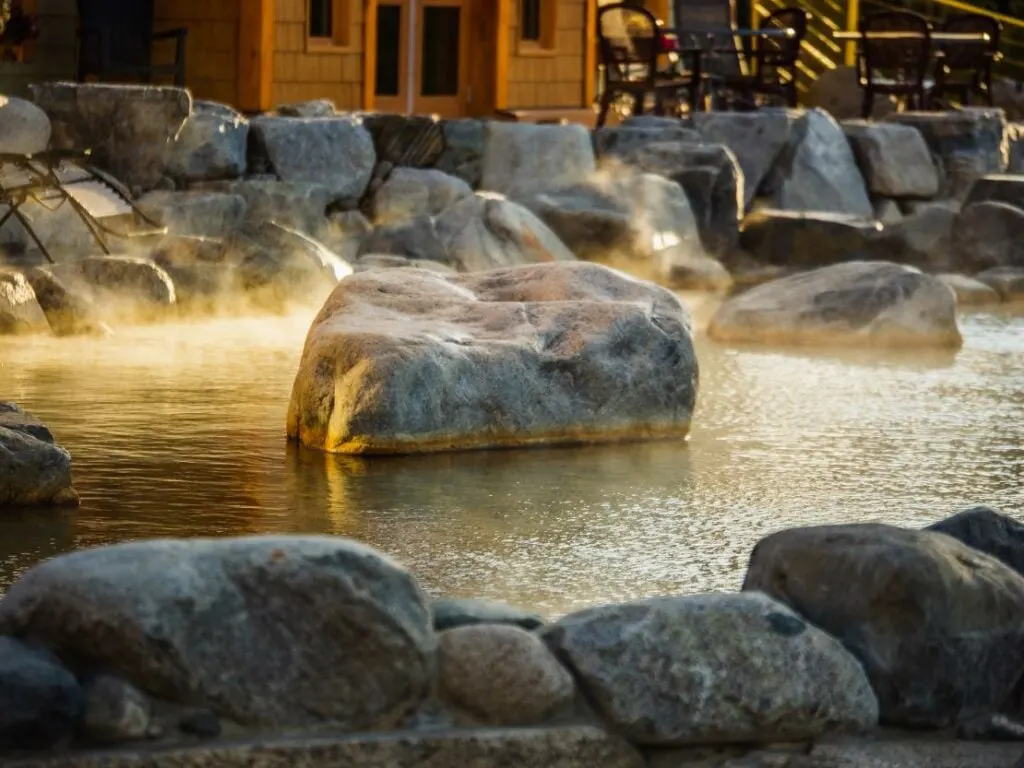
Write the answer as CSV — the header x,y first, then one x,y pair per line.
x,y
806,239
988,531
894,159
970,292
211,145
1008,282
403,361
33,469
269,631
716,668
40,701
936,624
869,303
463,611
988,235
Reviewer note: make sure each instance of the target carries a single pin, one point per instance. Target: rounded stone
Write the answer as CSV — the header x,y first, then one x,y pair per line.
x,y
24,127
502,674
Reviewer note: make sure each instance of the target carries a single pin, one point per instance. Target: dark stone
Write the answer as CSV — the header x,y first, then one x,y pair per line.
x,y
997,188
415,141
13,417
936,624
923,240
460,612
988,531
69,312
203,723
1008,282
987,235
129,128
211,145
463,150
622,140
413,239
115,711
990,728
40,701
33,468
786,625
806,239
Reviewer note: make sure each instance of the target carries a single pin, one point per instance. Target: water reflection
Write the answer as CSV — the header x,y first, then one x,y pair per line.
x,y
180,431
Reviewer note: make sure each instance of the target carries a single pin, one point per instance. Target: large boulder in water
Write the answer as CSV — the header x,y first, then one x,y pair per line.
x,y
477,233
267,631
19,310
937,625
713,669
33,469
868,303
405,361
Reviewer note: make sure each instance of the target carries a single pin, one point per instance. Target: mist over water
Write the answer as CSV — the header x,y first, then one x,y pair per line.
x,y
179,431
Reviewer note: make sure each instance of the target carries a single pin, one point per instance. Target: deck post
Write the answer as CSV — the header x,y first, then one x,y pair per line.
x,y
852,24
590,54
502,52
256,56
369,54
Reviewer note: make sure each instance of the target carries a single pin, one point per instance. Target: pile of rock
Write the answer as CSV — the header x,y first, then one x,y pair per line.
x,y
167,646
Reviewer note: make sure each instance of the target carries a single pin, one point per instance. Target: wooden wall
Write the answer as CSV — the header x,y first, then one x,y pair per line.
x,y
211,55
301,74
56,52
545,79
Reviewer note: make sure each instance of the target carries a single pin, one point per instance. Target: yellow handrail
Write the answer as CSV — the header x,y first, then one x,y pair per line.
x,y
968,8
852,23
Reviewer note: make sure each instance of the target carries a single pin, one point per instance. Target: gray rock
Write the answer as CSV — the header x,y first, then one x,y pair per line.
x,y
389,261
968,143
203,271
450,613
910,207
115,711
415,141
197,213
134,282
997,188
888,211
861,303
335,153
502,675
711,177
345,232
309,629
415,240
1008,282
712,669
542,354
987,235
923,239
893,158
296,205
906,750
575,746
522,158
817,171
463,151
210,146
805,240
24,127
987,530
1015,139
755,138
69,312
129,128
33,469
411,192
935,623
970,292
312,108
40,701
20,312
621,141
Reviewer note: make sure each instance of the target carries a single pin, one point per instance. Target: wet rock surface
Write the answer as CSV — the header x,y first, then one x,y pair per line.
x,y
34,470
313,629
556,353
768,676
859,303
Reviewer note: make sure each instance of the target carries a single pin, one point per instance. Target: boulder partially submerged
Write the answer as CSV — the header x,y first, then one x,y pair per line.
x,y
406,361
869,303
34,470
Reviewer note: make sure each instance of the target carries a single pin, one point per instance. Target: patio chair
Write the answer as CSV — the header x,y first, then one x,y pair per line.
x,y
710,25
55,178
630,43
962,69
774,60
116,40
895,66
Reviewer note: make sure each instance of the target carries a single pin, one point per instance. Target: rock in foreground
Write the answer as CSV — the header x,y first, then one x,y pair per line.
x,y
33,470
406,361
265,631
713,669
40,701
936,624
858,303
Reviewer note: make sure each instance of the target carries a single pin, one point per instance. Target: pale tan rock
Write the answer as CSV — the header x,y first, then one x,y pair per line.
x,y
502,674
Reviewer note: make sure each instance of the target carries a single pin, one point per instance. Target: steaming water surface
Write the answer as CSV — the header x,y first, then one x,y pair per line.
x,y
180,432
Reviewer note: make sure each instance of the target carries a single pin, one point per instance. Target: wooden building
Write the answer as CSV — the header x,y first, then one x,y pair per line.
x,y
450,57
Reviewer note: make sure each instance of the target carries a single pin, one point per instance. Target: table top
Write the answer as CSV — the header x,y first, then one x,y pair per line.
x,y
939,37
766,32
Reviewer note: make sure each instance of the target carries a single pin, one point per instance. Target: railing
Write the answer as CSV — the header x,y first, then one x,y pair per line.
x,y
822,53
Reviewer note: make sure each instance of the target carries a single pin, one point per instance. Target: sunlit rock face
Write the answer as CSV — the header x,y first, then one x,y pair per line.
x,y
860,303
405,361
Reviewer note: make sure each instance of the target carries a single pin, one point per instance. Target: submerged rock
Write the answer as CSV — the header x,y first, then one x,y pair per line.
x,y
40,701
870,303
713,669
20,312
987,530
936,624
402,361
450,613
269,631
33,469
502,675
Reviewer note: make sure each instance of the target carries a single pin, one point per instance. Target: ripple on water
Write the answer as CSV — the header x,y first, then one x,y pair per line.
x,y
180,432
